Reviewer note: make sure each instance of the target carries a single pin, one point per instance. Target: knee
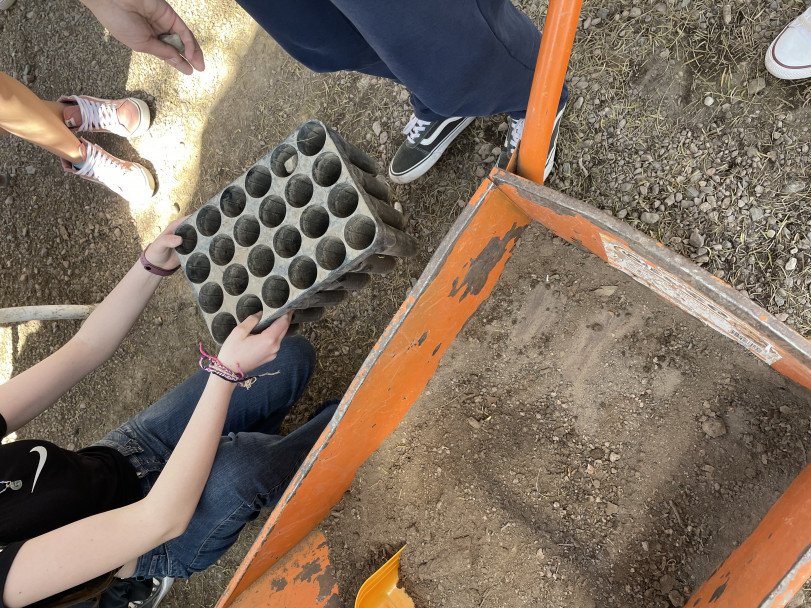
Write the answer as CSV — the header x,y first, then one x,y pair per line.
x,y
296,357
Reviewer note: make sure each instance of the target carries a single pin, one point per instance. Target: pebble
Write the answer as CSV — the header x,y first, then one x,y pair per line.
x,y
676,598
791,264
611,508
714,427
635,12
696,239
30,169
756,213
726,11
474,423
794,188
614,457
290,164
376,127
756,85
649,218
708,101
384,137
174,41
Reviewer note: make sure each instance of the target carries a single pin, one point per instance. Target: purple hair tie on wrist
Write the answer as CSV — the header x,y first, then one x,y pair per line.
x,y
156,270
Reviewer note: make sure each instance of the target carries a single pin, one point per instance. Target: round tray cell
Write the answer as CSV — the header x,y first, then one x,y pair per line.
x,y
208,220
284,160
311,138
198,267
327,169
272,211
314,222
189,236
342,200
257,181
287,241
221,249
261,260
360,232
232,201
299,190
222,325
248,305
210,297
246,230
235,279
275,292
330,253
302,272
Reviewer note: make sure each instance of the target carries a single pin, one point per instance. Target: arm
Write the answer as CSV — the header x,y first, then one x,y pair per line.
x,y
30,393
90,547
138,23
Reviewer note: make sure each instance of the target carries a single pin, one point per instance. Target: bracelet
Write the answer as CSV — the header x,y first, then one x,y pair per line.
x,y
213,365
156,270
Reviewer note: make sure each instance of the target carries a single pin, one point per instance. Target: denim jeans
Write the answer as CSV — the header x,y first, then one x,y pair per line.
x,y
252,467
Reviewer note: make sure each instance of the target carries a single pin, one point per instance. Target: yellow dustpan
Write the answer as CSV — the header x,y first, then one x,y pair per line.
x,y
381,591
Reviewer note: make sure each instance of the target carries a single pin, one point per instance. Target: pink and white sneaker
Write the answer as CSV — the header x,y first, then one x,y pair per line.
x,y
125,117
129,180
789,55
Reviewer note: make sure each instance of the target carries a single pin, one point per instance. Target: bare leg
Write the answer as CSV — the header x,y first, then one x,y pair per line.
x,y
25,115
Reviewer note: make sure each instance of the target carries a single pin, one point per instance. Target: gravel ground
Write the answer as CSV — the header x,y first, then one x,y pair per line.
x,y
673,126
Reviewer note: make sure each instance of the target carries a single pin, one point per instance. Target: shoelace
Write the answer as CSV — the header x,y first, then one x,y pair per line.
x,y
101,166
516,132
97,115
414,128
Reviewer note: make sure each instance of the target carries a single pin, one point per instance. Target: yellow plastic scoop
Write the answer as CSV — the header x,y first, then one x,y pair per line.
x,y
381,591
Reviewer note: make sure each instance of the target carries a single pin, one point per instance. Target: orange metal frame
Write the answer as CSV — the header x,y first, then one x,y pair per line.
x,y
288,566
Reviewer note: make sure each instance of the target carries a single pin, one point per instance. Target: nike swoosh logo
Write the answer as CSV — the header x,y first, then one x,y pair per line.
x,y
43,455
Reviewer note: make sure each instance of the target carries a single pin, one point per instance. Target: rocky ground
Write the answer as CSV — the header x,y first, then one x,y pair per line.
x,y
673,125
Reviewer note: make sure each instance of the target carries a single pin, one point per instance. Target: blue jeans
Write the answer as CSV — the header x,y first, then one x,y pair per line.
x,y
456,57
252,467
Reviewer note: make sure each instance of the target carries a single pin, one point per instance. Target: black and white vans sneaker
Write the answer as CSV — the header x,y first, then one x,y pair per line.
x,y
514,134
425,142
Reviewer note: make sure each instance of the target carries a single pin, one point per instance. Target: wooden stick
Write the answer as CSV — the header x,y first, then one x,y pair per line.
x,y
23,314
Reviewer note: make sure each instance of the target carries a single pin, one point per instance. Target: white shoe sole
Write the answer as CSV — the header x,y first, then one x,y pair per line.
x,y
146,117
429,161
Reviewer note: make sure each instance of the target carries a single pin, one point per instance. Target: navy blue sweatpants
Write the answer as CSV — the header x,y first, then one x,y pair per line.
x,y
457,57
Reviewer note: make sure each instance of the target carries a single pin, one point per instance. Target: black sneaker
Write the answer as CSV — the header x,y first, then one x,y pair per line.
x,y
425,142
514,134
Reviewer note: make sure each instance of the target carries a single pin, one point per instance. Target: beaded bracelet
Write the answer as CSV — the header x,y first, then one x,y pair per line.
x,y
213,365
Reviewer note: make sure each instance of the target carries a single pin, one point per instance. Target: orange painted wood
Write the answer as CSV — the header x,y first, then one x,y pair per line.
x,y
458,279
301,579
772,564
550,71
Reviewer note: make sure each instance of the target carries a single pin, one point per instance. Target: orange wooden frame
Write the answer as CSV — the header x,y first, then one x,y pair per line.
x,y
763,572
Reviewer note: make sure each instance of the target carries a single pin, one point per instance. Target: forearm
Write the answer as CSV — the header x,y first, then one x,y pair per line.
x,y
180,484
110,321
30,393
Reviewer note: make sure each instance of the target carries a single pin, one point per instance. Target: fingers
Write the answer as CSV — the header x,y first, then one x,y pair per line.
x,y
174,224
278,328
192,51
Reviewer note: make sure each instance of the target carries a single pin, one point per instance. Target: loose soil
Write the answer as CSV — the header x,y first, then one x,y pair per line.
x,y
501,478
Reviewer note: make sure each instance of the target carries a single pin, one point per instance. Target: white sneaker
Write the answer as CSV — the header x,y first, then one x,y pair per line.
x,y
129,180
789,55
125,117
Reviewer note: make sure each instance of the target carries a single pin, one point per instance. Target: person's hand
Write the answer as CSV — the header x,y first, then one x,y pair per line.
x,y
161,251
249,351
138,23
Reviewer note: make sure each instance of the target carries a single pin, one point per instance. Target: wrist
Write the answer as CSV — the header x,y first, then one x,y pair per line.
x,y
159,268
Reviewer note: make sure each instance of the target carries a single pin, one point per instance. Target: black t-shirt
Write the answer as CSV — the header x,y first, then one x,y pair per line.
x,y
55,487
